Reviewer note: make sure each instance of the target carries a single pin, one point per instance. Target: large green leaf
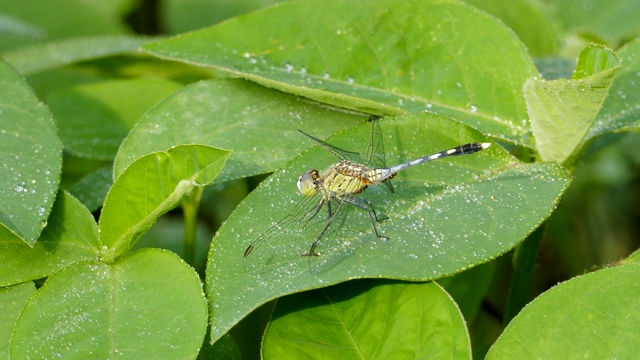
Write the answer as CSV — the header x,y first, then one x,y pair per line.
x,y
30,158
260,125
563,111
12,300
151,186
446,216
368,319
95,118
384,57
36,58
621,109
595,315
71,236
150,305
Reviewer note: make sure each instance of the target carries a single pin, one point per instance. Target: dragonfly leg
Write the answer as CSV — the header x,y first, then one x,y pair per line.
x,y
317,210
368,207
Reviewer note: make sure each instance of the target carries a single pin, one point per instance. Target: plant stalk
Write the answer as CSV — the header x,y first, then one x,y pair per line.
x,y
190,205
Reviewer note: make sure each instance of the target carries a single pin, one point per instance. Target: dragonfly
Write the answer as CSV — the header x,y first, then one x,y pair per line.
x,y
334,218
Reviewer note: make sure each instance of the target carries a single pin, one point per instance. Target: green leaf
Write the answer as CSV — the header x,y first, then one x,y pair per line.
x,y
92,189
151,186
563,111
446,215
36,58
368,319
30,158
70,236
382,57
95,118
621,109
150,305
12,300
594,315
260,125
526,19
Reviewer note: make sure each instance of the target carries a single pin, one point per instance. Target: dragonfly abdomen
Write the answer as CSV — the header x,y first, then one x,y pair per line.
x,y
458,150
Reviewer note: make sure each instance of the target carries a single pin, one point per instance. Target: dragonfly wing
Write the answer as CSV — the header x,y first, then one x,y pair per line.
x,y
287,240
350,227
337,152
374,156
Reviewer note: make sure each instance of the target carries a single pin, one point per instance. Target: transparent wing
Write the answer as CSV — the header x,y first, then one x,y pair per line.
x,y
350,227
337,152
374,156
289,239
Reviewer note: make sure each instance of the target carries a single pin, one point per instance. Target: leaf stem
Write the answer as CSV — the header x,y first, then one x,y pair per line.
x,y
190,205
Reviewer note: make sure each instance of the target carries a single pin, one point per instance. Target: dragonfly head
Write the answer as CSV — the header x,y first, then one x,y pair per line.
x,y
307,183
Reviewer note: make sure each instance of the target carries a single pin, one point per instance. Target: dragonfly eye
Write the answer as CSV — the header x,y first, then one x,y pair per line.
x,y
306,183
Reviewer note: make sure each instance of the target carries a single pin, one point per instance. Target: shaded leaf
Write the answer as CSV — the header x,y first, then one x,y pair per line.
x,y
95,118
92,189
30,158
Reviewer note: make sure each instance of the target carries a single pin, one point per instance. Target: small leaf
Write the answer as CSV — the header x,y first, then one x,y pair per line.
x,y
30,158
150,305
151,186
12,300
70,236
384,57
445,216
594,315
36,58
563,111
95,118
368,319
260,125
